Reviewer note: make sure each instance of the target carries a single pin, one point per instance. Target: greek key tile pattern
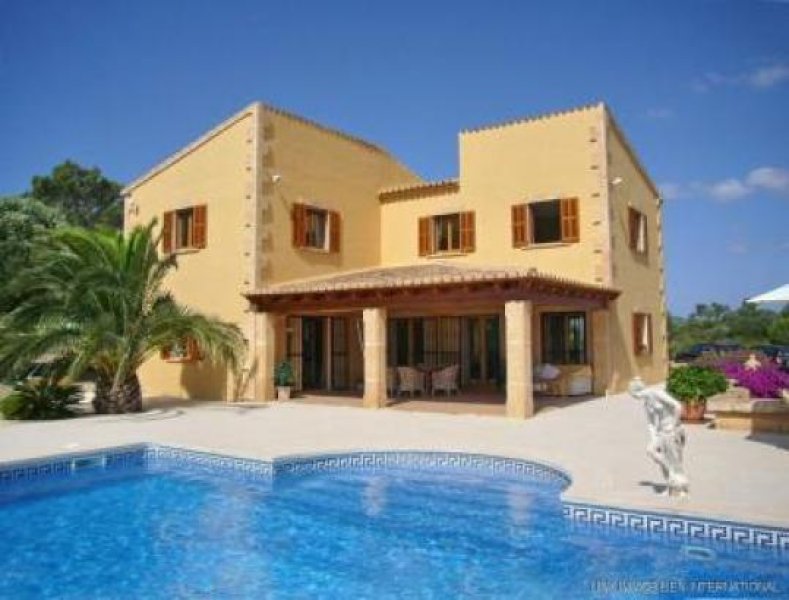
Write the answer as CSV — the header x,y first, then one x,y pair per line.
x,y
167,457
65,465
370,461
775,538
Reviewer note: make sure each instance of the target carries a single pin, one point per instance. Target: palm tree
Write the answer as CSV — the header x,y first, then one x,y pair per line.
x,y
94,299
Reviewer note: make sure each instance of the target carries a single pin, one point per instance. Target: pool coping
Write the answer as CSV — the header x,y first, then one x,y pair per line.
x,y
673,524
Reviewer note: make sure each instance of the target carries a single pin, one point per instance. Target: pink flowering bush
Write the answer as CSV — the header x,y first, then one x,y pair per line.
x,y
766,381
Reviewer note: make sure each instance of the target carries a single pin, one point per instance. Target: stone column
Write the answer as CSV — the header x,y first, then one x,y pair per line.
x,y
374,320
601,350
520,392
265,349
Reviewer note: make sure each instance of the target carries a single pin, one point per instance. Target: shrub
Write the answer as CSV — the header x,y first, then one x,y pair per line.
x,y
40,399
283,374
766,381
694,384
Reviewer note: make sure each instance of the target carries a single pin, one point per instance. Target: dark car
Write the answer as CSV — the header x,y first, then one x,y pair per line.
x,y
697,350
779,354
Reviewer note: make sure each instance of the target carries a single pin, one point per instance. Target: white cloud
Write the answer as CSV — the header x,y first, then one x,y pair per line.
x,y
773,180
761,78
728,190
766,77
770,178
659,114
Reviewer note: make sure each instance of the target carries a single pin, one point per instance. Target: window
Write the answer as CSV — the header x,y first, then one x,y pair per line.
x,y
185,351
446,233
545,222
317,224
184,229
564,338
316,228
642,334
451,233
638,231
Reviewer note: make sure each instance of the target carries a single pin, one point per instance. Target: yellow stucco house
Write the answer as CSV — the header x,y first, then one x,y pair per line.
x,y
330,253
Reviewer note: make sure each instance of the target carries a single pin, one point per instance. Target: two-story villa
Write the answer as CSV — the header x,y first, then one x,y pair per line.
x,y
330,253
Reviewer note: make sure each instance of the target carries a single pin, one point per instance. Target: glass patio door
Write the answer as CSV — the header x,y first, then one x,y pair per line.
x,y
483,338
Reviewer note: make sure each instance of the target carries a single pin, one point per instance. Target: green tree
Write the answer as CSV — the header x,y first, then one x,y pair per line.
x,y
778,332
94,298
84,196
23,222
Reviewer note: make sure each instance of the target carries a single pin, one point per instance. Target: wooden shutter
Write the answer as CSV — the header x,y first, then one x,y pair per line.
x,y
632,220
569,216
468,236
636,334
193,350
424,236
520,237
334,231
199,226
167,232
299,218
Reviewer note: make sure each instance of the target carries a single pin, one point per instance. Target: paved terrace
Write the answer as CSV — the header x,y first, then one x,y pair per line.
x,y
600,442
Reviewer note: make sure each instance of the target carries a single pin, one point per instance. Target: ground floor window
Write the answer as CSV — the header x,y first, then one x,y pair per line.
x,y
564,338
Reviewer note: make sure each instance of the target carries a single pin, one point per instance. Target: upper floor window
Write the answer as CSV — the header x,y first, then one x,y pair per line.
x,y
638,231
184,229
185,350
642,333
316,228
545,222
451,233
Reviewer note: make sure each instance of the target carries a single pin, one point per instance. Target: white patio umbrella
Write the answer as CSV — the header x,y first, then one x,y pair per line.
x,y
779,295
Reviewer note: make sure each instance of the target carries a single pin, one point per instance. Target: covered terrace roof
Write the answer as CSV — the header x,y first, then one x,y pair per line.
x,y
434,283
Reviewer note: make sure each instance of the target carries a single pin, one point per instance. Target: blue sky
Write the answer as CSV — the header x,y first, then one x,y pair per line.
x,y
701,88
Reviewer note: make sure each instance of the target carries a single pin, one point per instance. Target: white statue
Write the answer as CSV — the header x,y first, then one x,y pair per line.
x,y
667,436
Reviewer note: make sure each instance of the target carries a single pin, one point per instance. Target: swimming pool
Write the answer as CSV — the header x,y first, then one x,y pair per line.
x,y
148,523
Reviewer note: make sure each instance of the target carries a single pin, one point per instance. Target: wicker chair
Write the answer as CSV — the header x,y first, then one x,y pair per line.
x,y
446,380
411,380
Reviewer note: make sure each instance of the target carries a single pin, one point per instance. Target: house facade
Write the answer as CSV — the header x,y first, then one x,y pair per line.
x,y
331,254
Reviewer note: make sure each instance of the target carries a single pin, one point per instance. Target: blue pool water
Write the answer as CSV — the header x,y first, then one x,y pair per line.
x,y
397,533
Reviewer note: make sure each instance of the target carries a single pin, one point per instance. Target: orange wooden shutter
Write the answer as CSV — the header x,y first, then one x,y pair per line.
x,y
569,213
299,217
200,226
193,350
519,215
632,219
167,232
334,231
424,236
468,237
636,334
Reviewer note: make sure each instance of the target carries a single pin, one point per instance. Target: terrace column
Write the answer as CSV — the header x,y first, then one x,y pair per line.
x,y
601,351
520,392
374,320
265,341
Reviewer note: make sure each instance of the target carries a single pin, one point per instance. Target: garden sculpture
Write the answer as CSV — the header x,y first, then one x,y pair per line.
x,y
667,436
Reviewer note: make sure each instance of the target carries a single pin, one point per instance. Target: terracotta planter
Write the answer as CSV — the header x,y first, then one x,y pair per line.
x,y
694,413
283,392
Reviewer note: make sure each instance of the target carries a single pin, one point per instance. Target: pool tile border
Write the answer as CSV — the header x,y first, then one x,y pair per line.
x,y
696,528
383,459
156,455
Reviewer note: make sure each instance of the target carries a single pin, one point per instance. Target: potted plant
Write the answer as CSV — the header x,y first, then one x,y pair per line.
x,y
283,379
692,385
